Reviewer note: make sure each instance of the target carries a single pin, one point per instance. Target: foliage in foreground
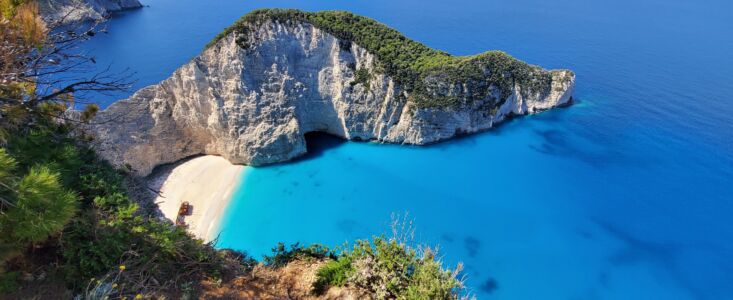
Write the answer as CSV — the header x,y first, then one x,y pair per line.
x,y
333,273
66,211
35,206
282,255
390,269
386,268
108,230
110,234
62,208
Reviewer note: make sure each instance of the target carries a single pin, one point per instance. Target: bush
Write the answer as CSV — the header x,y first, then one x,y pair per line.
x,y
42,208
33,207
333,273
107,230
241,257
8,281
282,255
363,77
390,269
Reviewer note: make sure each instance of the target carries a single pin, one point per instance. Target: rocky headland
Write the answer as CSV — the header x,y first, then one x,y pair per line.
x,y
275,75
69,11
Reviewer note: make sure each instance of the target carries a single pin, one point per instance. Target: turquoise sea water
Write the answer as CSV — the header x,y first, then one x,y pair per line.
x,y
626,195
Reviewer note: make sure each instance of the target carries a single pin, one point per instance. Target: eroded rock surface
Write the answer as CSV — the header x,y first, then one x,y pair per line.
x,y
254,105
83,10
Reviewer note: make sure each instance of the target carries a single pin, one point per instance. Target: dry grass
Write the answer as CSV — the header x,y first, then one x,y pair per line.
x,y
27,18
293,281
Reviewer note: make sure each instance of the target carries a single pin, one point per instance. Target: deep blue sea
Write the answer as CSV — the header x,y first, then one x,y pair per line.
x,y
628,194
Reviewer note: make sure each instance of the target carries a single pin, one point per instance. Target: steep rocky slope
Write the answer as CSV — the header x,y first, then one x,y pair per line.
x,y
276,75
83,10
292,281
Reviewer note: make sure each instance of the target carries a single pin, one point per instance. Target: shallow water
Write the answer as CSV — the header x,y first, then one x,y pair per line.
x,y
626,195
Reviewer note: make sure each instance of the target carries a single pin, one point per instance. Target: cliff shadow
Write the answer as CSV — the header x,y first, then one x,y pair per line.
x,y
150,186
317,143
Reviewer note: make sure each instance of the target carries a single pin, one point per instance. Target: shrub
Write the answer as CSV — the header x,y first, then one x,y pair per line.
x,y
33,207
241,257
333,273
107,229
390,269
363,77
8,281
42,208
282,255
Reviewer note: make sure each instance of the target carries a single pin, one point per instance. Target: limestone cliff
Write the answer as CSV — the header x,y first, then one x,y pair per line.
x,y
253,95
83,10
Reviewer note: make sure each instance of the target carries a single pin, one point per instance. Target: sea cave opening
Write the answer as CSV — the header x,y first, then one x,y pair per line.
x,y
318,142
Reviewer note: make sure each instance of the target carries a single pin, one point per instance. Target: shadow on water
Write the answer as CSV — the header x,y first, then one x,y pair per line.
x,y
317,143
350,227
472,246
563,143
468,140
637,251
508,125
489,286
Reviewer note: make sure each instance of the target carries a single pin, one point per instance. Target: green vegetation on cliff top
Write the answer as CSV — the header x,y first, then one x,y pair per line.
x,y
422,71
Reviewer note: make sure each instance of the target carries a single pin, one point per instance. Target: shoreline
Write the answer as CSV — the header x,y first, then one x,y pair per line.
x,y
207,184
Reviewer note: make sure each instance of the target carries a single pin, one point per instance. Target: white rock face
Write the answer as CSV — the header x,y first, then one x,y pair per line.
x,y
253,106
83,10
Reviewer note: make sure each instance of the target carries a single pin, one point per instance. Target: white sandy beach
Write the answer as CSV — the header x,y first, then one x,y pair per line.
x,y
207,183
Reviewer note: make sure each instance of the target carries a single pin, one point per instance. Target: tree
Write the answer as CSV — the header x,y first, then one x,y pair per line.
x,y
38,63
35,206
37,88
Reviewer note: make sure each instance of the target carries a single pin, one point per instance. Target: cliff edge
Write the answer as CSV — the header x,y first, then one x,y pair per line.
x,y
275,75
70,11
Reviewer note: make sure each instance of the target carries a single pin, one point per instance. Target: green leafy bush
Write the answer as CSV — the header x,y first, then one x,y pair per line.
x,y
390,269
8,281
333,273
42,207
34,206
363,77
107,230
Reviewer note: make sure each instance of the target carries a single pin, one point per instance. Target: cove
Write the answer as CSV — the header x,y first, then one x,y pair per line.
x,y
624,195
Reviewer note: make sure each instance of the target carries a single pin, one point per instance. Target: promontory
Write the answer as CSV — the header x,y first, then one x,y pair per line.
x,y
275,75
71,11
